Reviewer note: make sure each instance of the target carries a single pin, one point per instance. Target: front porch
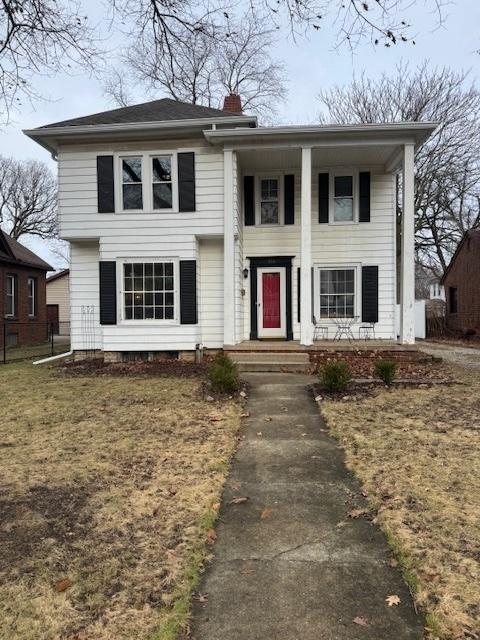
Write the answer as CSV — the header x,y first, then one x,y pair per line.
x,y
295,346
310,233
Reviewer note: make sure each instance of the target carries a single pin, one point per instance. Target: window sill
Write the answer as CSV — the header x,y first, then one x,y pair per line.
x,y
150,322
342,223
150,213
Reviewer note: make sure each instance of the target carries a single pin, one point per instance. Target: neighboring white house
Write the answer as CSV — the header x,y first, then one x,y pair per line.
x,y
194,225
58,300
437,291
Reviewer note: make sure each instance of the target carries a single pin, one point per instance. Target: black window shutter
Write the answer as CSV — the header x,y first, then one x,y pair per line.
x,y
108,293
370,294
364,188
188,292
186,181
249,200
289,199
105,184
323,196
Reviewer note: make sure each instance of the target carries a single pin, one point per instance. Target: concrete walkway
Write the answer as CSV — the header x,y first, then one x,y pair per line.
x,y
289,564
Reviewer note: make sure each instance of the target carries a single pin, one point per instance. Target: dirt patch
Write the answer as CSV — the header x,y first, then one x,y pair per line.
x,y
107,486
53,514
416,453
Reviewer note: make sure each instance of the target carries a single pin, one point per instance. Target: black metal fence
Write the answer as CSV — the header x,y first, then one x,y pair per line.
x,y
32,340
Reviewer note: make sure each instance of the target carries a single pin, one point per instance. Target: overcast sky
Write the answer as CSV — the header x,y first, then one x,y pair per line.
x,y
312,64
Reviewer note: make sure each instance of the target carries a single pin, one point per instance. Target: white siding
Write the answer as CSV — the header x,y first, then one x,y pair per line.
x,y
58,293
78,197
84,292
141,235
371,243
211,292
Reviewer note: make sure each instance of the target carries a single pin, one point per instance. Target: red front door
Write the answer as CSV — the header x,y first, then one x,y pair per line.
x,y
271,300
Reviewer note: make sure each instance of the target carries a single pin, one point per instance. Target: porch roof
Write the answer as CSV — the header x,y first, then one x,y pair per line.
x,y
332,145
321,135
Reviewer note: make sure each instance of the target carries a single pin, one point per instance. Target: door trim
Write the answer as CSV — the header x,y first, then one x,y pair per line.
x,y
281,331
270,261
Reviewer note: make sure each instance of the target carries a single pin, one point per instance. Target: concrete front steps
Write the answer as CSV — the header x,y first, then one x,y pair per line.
x,y
258,361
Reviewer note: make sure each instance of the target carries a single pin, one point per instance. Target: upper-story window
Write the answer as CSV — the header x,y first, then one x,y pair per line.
x,y
32,297
132,187
10,296
269,201
148,182
343,198
162,184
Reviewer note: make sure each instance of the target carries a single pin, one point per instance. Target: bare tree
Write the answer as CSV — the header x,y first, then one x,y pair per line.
x,y
204,70
43,37
38,37
447,198
381,21
28,198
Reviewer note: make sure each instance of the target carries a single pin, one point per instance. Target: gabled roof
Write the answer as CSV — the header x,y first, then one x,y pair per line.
x,y
156,111
12,252
59,274
471,233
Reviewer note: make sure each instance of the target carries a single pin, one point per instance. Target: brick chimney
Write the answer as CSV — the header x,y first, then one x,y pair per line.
x,y
233,103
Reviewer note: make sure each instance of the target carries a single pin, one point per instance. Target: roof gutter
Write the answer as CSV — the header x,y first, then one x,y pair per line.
x,y
47,136
420,131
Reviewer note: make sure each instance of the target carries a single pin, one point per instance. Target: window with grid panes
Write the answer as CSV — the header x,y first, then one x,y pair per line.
x,y
149,291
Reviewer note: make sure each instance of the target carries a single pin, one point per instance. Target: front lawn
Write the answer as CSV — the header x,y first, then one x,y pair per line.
x,y
417,453
108,487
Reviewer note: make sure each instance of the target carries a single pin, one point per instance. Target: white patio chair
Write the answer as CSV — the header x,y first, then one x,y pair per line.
x,y
320,331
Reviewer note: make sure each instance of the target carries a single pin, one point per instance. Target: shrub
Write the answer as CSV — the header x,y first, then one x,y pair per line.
x,y
386,370
335,376
223,374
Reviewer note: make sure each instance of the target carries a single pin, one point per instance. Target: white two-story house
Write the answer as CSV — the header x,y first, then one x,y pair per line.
x,y
190,225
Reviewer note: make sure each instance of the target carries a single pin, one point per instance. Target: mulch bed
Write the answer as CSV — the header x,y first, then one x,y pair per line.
x,y
167,367
364,387
362,364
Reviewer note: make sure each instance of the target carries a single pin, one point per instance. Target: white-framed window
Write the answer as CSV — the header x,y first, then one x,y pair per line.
x,y
343,198
132,183
149,290
32,297
268,200
337,289
148,182
162,182
10,296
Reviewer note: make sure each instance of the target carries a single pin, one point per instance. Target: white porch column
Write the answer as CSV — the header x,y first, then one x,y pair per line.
x,y
228,250
407,273
306,328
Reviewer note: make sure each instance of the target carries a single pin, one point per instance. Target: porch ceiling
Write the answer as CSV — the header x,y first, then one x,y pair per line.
x,y
284,159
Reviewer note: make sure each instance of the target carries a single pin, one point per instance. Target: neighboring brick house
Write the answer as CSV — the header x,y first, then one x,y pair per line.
x,y
462,286
23,308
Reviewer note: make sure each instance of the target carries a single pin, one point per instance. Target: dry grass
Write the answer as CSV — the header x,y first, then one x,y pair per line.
x,y
107,483
417,453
